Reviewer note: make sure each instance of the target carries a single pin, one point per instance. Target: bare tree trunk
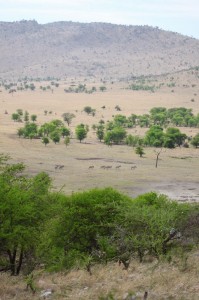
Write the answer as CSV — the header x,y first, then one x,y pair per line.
x,y
12,259
20,262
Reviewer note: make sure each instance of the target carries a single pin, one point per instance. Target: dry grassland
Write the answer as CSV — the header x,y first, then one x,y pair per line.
x,y
177,280
177,174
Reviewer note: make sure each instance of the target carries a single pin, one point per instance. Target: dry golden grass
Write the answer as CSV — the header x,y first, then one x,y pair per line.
x,y
177,280
177,172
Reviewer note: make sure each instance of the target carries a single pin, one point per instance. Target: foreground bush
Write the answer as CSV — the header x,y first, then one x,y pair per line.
x,y
63,232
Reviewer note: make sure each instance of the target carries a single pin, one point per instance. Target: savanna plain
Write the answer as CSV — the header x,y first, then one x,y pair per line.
x,y
176,176
177,171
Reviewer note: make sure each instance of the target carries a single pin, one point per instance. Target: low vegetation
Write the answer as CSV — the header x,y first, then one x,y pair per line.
x,y
78,231
43,230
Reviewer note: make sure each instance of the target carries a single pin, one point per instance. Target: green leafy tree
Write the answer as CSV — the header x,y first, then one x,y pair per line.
x,y
30,129
55,136
116,135
45,140
16,117
88,109
64,131
33,118
23,209
195,141
84,221
139,150
67,141
175,136
134,140
26,116
100,132
81,132
20,132
102,88
154,136
120,120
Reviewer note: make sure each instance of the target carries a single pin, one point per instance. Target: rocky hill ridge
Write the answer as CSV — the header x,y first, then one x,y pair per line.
x,y
102,50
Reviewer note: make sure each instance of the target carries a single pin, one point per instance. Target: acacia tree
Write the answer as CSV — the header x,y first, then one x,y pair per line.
x,y
157,152
24,208
67,117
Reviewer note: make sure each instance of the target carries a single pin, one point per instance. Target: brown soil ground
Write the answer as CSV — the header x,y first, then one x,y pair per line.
x,y
176,176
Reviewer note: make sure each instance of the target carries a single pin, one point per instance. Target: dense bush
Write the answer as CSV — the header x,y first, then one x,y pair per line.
x,y
63,232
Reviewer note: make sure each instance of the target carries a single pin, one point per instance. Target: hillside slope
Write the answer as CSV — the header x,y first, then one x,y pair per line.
x,y
95,49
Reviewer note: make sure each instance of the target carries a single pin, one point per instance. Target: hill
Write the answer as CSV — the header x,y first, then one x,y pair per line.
x,y
68,49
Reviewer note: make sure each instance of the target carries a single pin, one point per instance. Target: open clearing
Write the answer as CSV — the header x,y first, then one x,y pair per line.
x,y
177,174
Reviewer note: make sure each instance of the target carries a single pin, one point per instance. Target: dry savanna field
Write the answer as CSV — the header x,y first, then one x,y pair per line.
x,y
177,174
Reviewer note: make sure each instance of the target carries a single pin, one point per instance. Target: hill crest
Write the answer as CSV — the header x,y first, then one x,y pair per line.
x,y
102,50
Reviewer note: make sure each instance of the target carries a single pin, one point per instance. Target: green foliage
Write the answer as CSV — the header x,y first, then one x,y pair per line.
x,y
144,120
100,132
195,140
81,131
45,140
29,130
23,210
26,116
84,220
142,87
152,218
139,150
120,120
66,141
134,140
115,136
64,232
154,136
55,136
16,117
54,129
33,118
102,88
175,136
89,110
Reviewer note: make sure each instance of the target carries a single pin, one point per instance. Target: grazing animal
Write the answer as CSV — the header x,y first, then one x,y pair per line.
x,y
91,167
108,167
117,167
59,167
133,167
